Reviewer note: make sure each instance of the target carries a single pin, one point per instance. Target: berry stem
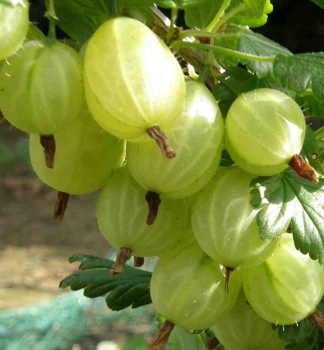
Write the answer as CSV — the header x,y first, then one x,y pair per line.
x,y
219,14
123,256
60,206
162,337
219,49
303,169
48,143
203,34
227,277
162,141
50,14
317,319
174,15
203,75
153,200
212,343
138,261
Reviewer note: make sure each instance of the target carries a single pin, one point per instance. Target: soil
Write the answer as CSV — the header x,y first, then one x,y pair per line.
x,y
35,248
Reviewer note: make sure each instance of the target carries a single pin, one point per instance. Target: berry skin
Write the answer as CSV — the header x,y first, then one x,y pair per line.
x,y
264,129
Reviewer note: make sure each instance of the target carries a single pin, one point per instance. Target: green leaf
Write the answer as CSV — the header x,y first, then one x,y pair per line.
x,y
80,18
182,340
257,44
132,287
200,16
251,13
289,199
247,16
310,151
255,8
320,3
229,39
301,336
232,83
34,33
298,71
310,104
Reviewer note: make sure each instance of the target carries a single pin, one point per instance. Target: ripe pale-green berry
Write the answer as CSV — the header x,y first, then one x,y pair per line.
x,y
264,129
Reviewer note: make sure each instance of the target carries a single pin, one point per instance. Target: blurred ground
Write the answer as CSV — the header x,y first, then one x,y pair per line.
x,y
34,248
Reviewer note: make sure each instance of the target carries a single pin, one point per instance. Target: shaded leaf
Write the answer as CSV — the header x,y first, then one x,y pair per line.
x,y
232,83
310,105
257,44
320,3
297,72
132,287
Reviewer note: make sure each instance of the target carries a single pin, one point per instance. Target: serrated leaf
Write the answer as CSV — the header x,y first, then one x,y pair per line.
x,y
296,201
132,287
298,71
320,3
233,82
258,45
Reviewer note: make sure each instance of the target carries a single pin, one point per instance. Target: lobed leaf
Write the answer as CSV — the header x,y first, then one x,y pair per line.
x,y
132,287
258,45
297,72
288,199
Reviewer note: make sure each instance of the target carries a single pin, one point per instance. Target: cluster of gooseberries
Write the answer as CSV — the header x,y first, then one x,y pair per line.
x,y
169,198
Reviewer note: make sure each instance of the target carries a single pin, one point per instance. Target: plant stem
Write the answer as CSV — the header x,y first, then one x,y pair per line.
x,y
170,33
203,34
203,74
115,8
219,14
178,44
319,133
51,17
228,16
